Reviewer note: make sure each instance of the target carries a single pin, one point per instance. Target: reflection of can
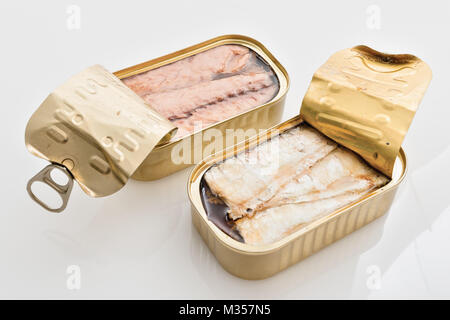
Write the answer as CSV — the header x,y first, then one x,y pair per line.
x,y
99,132
387,89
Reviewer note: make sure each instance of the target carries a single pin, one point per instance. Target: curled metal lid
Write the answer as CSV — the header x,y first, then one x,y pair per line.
x,y
366,100
96,128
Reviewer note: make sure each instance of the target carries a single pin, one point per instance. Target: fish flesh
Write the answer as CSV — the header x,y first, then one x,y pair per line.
x,y
212,113
181,103
338,179
207,87
312,177
201,67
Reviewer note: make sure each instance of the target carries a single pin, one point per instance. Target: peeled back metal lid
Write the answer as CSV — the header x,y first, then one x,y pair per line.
x,y
95,129
366,100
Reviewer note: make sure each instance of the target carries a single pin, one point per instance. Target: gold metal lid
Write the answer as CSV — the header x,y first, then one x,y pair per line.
x,y
96,128
366,100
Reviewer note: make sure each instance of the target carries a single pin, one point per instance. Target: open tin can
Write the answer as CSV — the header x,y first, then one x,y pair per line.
x,y
101,132
362,99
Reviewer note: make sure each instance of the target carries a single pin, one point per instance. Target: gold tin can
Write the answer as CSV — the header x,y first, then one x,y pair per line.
x,y
158,164
390,88
99,132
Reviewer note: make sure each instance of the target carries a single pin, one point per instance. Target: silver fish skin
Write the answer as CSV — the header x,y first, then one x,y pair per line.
x,y
335,181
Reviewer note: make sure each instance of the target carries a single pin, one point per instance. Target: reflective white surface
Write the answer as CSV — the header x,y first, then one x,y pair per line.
x,y
140,243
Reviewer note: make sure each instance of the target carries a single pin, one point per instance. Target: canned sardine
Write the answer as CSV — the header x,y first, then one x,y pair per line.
x,y
275,199
311,176
208,87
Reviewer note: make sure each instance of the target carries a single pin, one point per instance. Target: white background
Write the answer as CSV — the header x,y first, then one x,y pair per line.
x,y
139,243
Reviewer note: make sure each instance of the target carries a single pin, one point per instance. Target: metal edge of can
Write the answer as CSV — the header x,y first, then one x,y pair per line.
x,y
158,163
259,262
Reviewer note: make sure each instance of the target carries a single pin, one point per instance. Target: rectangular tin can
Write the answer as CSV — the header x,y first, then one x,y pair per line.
x,y
347,99
259,262
159,163
98,131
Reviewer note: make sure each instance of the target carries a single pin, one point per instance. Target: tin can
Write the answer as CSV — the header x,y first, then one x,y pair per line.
x,y
99,132
388,90
159,164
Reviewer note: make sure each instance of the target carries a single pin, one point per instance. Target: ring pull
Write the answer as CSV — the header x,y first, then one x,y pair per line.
x,y
44,176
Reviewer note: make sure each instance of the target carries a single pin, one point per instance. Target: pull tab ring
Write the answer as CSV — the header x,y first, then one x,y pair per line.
x,y
45,177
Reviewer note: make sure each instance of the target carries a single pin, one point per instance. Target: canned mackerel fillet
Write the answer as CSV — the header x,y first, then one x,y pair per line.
x,y
278,197
153,119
